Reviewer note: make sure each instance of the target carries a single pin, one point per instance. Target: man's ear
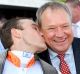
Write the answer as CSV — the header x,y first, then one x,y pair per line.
x,y
16,33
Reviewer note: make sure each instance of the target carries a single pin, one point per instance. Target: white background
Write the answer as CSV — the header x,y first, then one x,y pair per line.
x,y
26,3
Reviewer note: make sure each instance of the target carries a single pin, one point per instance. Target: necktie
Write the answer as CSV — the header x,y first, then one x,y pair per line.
x,y
16,61
63,65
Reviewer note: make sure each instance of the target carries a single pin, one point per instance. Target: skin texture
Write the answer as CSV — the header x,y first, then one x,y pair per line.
x,y
56,29
29,38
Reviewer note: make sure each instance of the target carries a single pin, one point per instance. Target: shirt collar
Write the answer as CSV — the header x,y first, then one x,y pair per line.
x,y
22,54
53,54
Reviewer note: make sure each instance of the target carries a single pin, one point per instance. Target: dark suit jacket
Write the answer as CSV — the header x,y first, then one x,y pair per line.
x,y
47,68
76,51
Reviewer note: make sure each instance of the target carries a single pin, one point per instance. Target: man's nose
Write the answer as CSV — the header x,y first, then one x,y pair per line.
x,y
59,32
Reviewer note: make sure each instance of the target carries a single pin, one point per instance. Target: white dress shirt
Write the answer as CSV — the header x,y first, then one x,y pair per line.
x,y
69,58
76,29
10,68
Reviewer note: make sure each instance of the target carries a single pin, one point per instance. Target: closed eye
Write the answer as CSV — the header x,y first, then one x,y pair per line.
x,y
51,28
66,26
34,26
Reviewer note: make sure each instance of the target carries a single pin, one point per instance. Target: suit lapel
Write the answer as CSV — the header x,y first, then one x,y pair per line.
x,y
45,56
47,68
76,52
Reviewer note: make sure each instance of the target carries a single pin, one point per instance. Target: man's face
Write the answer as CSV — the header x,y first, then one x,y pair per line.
x,y
31,36
75,9
56,29
76,14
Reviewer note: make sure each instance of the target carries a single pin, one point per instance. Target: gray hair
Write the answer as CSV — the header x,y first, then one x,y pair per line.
x,y
53,6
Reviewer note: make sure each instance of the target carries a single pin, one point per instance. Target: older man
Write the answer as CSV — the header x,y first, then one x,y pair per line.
x,y
55,24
